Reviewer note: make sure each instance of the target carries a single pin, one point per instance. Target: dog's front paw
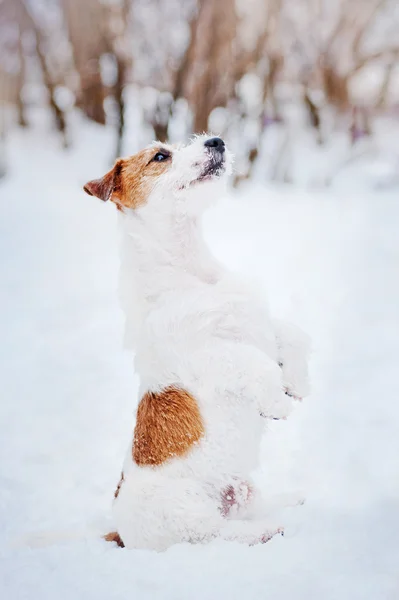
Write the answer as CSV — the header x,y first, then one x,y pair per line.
x,y
292,394
281,408
275,403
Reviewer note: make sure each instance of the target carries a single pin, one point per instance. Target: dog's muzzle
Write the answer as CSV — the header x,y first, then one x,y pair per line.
x,y
215,165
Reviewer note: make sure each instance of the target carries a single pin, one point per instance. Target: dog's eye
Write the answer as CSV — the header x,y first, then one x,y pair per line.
x,y
160,156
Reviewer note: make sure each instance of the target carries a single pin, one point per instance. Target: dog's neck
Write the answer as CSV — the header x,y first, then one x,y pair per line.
x,y
167,254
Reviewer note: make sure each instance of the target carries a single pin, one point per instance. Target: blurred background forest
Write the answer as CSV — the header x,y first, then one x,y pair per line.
x,y
262,73
306,94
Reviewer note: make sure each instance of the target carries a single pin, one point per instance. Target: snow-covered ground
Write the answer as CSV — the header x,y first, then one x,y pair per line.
x,y
328,260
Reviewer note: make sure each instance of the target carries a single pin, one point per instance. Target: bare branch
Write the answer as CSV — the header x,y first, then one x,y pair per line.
x,y
361,32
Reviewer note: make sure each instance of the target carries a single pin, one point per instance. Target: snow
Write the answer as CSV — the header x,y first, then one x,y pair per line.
x,y
328,260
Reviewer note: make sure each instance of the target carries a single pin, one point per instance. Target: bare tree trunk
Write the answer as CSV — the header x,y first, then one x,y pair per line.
x,y
276,62
30,25
20,82
162,112
116,45
182,71
335,88
382,96
118,91
160,126
360,125
58,114
314,114
211,57
3,105
85,22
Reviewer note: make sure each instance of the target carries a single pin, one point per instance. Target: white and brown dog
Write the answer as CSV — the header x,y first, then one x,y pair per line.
x,y
209,358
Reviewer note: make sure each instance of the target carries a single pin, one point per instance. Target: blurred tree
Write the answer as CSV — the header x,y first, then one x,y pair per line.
x,y
232,65
211,55
29,25
86,24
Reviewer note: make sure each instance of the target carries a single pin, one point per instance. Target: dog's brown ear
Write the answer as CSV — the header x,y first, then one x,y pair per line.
x,y
104,187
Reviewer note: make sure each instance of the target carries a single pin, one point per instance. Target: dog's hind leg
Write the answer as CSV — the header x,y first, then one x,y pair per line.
x,y
249,532
153,511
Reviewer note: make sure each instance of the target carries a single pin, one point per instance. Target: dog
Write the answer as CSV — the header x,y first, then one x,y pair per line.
x,y
212,363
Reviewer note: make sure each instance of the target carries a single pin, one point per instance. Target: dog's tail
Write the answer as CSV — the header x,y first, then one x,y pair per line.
x,y
48,538
114,537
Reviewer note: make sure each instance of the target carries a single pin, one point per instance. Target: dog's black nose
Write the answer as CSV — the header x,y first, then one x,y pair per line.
x,y
216,143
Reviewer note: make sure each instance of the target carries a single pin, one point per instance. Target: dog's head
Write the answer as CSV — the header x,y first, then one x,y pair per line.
x,y
162,174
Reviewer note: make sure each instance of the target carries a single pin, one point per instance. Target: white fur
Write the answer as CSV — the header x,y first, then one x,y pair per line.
x,y
193,324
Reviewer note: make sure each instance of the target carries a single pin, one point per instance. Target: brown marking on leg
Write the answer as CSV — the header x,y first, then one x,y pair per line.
x,y
168,424
237,496
114,536
228,498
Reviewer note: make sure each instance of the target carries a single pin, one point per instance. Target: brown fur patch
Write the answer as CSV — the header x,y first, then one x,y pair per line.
x,y
168,424
114,536
131,180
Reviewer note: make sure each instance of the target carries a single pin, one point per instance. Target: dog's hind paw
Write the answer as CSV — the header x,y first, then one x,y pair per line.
x,y
250,532
266,537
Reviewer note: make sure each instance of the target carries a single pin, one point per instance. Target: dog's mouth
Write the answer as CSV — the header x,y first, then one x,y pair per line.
x,y
214,167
